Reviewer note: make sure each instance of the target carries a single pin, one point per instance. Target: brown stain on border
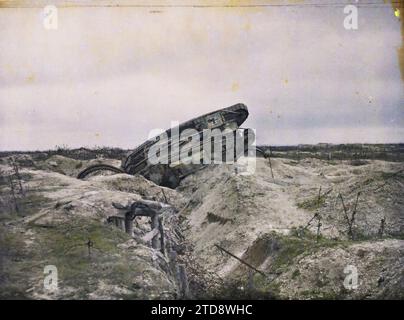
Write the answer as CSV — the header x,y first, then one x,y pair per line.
x,y
399,5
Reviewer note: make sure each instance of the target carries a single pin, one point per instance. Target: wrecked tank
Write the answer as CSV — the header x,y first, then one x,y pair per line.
x,y
170,173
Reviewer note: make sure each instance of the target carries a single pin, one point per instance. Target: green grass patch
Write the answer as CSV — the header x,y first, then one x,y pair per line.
x,y
312,203
284,252
289,247
22,206
66,246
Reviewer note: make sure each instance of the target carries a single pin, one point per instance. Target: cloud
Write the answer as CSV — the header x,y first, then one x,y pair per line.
x,y
108,76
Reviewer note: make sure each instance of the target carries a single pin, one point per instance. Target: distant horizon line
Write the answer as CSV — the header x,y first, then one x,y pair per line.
x,y
261,144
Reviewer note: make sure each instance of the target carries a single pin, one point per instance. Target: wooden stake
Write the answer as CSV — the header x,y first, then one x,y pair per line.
x,y
241,260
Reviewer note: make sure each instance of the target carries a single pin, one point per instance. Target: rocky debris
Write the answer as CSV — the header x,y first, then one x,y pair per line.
x,y
143,208
250,205
380,267
141,186
69,228
238,212
269,220
380,198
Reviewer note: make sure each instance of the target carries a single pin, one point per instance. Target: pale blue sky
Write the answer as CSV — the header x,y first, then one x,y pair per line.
x,y
107,76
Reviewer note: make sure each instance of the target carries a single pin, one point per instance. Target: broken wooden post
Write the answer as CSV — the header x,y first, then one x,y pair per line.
x,y
319,224
350,220
161,229
17,174
155,225
10,181
121,224
118,221
268,156
145,208
89,244
183,281
239,259
382,226
270,165
129,223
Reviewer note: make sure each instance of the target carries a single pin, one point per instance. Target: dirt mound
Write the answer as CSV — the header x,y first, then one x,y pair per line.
x,y
379,265
64,215
238,212
71,167
139,185
286,220
245,206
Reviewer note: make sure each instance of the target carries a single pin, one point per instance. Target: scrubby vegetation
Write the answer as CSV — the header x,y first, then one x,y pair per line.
x,y
325,151
296,222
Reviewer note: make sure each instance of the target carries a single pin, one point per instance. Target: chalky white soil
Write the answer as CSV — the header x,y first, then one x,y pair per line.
x,y
262,219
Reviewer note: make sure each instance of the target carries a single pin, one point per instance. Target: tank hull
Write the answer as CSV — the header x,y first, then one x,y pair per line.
x,y
136,162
